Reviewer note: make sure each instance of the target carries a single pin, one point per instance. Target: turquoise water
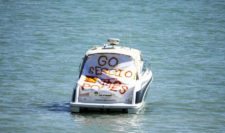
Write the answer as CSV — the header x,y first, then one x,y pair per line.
x,y
42,44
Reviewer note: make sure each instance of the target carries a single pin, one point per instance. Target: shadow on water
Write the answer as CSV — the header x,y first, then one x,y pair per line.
x,y
57,107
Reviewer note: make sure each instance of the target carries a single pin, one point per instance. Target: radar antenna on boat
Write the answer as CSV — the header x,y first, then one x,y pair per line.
x,y
113,41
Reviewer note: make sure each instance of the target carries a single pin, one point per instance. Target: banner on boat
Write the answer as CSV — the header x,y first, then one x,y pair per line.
x,y
107,78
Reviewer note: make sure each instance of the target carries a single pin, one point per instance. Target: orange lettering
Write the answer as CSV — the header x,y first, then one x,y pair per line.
x,y
123,89
128,74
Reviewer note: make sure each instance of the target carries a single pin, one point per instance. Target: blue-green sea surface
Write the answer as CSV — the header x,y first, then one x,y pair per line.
x,y
42,43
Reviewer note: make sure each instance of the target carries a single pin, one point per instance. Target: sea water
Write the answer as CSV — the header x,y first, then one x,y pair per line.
x,y
42,44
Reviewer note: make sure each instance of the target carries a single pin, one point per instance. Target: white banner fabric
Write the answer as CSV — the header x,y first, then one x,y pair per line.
x,y
107,78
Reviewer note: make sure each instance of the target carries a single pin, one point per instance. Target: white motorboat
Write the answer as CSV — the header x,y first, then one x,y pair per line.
x,y
112,77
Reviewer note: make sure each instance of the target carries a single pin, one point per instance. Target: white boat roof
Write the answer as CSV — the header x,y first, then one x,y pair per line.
x,y
134,53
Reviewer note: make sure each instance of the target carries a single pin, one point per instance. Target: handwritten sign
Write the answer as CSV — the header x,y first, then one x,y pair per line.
x,y
107,78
